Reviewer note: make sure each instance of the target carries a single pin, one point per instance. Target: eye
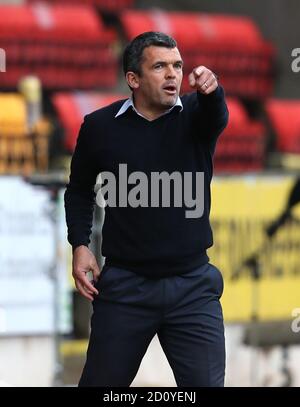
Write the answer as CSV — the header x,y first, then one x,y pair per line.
x,y
178,65
158,66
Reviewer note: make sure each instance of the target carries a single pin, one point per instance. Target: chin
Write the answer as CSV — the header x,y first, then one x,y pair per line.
x,y
170,101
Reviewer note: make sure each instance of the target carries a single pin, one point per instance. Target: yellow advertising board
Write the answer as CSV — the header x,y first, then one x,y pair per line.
x,y
256,226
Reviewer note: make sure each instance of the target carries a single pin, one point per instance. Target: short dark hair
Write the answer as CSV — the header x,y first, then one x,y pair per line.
x,y
133,53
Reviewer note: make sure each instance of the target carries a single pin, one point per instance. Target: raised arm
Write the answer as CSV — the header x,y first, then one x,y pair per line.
x,y
211,111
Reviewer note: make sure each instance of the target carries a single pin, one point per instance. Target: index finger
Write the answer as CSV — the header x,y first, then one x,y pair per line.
x,y
198,71
96,271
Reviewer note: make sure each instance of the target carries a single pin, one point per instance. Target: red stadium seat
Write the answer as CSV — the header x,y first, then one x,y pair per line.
x,y
112,6
72,107
284,116
241,147
65,45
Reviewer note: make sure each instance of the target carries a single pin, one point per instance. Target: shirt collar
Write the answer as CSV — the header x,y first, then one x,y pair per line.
x,y
129,103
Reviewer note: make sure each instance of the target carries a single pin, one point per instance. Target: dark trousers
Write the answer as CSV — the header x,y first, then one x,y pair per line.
x,y
184,311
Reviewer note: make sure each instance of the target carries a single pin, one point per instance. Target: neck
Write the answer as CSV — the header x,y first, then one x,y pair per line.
x,y
149,112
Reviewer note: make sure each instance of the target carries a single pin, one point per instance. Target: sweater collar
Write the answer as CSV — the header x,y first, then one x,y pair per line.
x,y
129,103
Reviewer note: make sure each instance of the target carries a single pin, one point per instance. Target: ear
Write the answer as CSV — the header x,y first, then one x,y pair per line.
x,y
132,79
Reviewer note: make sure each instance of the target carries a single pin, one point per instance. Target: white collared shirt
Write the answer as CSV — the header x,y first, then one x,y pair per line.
x,y
129,103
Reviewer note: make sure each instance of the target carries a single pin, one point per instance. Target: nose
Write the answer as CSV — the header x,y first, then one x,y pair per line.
x,y
170,72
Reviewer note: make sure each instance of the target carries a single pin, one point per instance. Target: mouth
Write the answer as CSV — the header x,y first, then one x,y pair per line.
x,y
170,89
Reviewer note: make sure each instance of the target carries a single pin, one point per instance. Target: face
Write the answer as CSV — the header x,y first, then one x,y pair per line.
x,y
158,85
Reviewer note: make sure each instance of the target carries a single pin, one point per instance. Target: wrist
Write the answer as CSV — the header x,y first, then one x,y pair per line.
x,y
77,248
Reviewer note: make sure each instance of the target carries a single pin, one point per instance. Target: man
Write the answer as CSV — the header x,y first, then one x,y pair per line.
x,y
156,278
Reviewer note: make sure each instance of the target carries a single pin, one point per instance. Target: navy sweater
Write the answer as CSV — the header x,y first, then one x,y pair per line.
x,y
151,241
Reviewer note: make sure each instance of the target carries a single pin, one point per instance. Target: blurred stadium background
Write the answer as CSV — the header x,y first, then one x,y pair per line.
x,y
61,60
